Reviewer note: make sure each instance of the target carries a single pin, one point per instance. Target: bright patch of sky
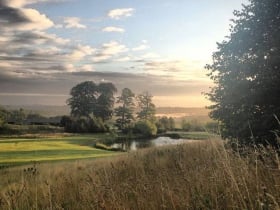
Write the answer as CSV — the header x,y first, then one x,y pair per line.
x,y
65,42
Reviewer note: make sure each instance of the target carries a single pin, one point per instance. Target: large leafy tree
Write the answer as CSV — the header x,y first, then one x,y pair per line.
x,y
246,73
146,106
105,102
124,112
88,99
83,99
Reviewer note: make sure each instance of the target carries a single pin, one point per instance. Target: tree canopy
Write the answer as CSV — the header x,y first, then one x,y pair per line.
x,y
105,102
88,99
83,99
245,70
147,108
124,113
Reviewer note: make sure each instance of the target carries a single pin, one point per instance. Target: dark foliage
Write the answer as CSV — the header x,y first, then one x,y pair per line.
x,y
246,71
124,113
165,124
147,108
87,98
83,125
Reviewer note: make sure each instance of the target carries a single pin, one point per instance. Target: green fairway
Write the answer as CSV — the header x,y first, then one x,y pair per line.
x,y
26,150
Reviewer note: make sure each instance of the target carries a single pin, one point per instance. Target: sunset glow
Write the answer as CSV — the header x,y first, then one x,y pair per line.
x,y
160,46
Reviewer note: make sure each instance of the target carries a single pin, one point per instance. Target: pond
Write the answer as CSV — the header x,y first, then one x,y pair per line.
x,y
139,144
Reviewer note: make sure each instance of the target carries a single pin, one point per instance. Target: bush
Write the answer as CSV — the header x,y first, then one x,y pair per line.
x,y
192,125
212,127
83,125
165,124
186,126
145,128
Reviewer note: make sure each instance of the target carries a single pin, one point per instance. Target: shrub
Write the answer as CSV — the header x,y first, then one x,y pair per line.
x,y
165,124
212,127
145,128
192,125
186,126
83,125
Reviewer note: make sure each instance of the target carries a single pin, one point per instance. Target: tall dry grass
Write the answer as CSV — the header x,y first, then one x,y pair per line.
x,y
192,176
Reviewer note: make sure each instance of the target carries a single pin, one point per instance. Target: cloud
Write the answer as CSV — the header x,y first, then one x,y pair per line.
x,y
73,22
12,18
28,51
140,47
113,48
120,13
81,51
87,68
113,29
109,50
123,59
22,3
150,55
165,66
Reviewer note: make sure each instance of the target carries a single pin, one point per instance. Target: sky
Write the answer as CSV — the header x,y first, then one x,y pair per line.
x,y
159,46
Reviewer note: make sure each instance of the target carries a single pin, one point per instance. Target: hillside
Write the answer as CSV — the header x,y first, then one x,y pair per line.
x,y
161,111
47,111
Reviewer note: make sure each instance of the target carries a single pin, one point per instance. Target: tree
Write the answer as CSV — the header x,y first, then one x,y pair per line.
x,y
147,108
124,112
105,102
83,99
246,73
17,116
3,116
165,124
89,99
145,128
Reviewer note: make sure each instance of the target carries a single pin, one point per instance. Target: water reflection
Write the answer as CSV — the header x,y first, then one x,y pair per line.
x,y
138,144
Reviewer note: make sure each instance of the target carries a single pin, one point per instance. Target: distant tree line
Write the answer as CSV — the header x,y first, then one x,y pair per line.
x,y
24,117
94,108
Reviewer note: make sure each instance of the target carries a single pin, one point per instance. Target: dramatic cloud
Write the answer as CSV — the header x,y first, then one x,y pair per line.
x,y
119,13
61,84
21,3
12,18
113,29
28,51
73,22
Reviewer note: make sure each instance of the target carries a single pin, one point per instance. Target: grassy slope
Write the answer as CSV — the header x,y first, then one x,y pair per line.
x,y
24,150
192,176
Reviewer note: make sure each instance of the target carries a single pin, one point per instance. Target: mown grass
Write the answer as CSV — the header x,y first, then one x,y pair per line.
x,y
26,149
201,175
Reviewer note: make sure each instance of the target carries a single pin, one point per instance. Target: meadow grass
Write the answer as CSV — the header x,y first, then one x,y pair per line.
x,y
195,135
201,175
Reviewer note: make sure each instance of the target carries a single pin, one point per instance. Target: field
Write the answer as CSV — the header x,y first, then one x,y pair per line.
x,y
202,175
22,150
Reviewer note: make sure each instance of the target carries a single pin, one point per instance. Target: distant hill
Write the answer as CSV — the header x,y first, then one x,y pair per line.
x,y
176,112
181,111
47,111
